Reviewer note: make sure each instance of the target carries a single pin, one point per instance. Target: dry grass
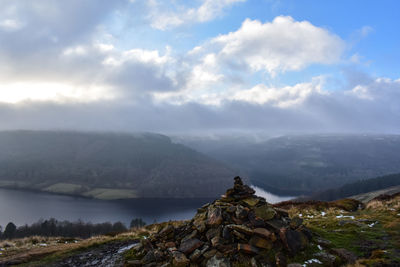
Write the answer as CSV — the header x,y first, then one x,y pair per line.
x,y
35,248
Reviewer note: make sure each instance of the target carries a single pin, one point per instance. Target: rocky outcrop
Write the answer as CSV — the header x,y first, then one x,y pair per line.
x,y
237,229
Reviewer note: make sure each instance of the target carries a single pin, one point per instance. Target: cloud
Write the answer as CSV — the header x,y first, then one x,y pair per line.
x,y
310,109
278,46
281,97
10,25
163,17
62,71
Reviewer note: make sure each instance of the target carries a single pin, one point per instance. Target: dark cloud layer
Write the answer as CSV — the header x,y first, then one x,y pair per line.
x,y
62,42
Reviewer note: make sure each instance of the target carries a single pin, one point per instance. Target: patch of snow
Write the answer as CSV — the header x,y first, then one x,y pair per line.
x,y
310,216
323,213
345,216
311,261
372,224
43,245
319,246
123,249
1,249
301,215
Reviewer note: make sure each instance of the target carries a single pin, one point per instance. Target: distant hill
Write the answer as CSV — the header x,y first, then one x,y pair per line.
x,y
108,165
304,164
359,187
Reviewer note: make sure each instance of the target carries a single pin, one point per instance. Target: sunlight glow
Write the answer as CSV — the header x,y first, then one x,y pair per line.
x,y
57,92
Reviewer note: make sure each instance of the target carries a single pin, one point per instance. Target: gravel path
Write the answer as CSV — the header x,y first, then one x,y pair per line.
x,y
107,255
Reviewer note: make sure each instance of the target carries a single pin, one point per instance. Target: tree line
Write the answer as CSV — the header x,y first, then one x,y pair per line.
x,y
53,227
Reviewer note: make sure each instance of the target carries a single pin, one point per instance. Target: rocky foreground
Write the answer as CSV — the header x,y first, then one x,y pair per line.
x,y
240,229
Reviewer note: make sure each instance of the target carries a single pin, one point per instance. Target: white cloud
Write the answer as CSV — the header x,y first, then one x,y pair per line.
x,y
138,55
10,25
278,46
383,89
280,97
162,17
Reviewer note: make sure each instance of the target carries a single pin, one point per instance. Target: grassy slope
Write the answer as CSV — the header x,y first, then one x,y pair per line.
x,y
373,233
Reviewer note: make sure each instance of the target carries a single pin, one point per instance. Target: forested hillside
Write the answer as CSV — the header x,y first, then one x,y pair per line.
x,y
108,165
304,164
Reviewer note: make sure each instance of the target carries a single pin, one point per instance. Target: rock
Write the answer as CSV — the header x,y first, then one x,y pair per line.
x,y
190,236
253,262
347,256
170,244
293,240
230,248
190,245
213,232
195,255
262,232
296,222
260,242
238,235
251,202
210,253
166,230
146,244
226,233
255,221
326,258
214,216
231,209
241,212
200,226
276,225
282,212
149,257
218,262
239,190
215,241
240,228
265,212
280,259
179,259
158,255
246,248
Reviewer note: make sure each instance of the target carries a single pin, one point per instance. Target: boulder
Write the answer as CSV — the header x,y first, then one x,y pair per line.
x,y
265,212
214,216
179,259
218,262
190,245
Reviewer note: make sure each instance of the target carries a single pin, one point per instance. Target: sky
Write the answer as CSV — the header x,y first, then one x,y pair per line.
x,y
174,66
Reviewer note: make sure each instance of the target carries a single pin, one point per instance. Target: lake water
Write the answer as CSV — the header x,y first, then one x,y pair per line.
x,y
26,207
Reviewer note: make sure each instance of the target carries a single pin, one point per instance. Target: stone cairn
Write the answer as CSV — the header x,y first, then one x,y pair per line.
x,y
240,229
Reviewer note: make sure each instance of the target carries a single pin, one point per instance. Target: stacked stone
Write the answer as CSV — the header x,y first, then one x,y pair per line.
x,y
240,229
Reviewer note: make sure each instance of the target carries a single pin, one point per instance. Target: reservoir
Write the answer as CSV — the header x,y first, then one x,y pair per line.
x,y
26,207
